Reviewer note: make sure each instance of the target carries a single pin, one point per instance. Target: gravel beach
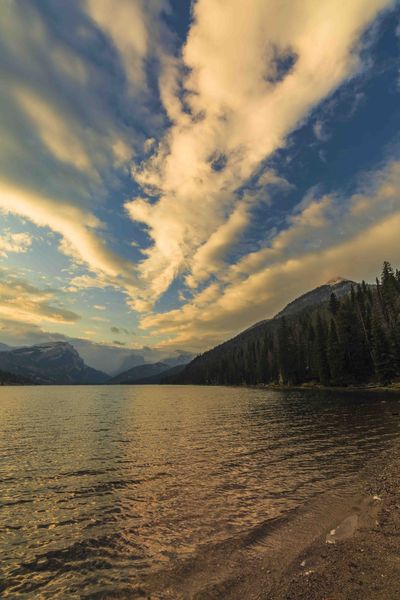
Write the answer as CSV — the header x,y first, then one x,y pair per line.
x,y
366,564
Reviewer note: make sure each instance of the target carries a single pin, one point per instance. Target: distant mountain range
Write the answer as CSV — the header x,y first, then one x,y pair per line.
x,y
115,359
144,374
60,363
51,363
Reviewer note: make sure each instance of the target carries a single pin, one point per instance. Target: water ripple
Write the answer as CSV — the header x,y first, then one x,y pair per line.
x,y
103,488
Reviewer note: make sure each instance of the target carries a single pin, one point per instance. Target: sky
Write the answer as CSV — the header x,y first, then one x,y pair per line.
x,y
173,171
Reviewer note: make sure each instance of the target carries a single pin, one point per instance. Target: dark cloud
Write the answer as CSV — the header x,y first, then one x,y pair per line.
x,y
120,330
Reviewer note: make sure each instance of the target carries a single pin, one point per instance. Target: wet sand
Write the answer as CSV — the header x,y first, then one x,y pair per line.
x,y
344,545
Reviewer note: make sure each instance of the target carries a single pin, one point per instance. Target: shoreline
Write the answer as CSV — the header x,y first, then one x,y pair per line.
x,y
342,545
364,564
393,388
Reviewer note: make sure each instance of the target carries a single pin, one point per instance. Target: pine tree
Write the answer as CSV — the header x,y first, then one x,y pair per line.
x,y
381,351
357,364
395,346
334,304
338,342
321,347
389,291
287,354
335,356
312,359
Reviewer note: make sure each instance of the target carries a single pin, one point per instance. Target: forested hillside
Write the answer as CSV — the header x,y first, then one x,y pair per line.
x,y
350,339
12,379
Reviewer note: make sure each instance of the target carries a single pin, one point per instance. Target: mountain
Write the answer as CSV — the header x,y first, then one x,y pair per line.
x,y
339,333
4,347
129,362
157,378
339,286
111,359
106,358
180,358
51,363
139,373
11,379
135,360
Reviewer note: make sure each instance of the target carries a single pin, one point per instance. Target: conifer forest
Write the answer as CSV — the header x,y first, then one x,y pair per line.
x,y
350,340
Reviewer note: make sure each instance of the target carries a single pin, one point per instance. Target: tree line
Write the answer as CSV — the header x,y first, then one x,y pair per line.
x,y
349,340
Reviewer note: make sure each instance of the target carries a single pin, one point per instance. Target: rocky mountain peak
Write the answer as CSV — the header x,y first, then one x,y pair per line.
x,y
336,280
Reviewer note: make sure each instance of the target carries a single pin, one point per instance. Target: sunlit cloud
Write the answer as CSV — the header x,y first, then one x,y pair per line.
x,y
152,156
77,228
252,77
22,301
135,30
14,242
349,238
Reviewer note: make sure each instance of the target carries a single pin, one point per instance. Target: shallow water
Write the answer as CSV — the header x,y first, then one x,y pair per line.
x,y
102,488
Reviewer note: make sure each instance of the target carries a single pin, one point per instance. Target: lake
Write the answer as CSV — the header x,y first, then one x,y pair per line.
x,y
105,490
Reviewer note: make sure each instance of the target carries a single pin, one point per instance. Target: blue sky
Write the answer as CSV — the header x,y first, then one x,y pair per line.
x,y
171,172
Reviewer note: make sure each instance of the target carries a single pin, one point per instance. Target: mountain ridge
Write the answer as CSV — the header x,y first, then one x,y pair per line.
x,y
341,332
50,363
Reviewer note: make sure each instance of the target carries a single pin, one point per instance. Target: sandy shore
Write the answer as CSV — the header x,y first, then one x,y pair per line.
x,y
343,545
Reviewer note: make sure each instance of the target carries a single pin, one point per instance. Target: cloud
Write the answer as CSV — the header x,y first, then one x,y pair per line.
x,y
320,131
82,107
14,242
22,301
54,129
250,74
344,236
99,319
120,330
78,229
135,29
54,92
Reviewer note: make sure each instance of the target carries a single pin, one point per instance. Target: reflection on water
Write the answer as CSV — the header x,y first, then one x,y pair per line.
x,y
101,487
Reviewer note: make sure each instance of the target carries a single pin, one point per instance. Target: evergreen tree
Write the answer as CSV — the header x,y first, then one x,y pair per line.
x,y
335,355
383,359
287,354
321,348
354,340
389,291
334,304
357,364
312,354
395,346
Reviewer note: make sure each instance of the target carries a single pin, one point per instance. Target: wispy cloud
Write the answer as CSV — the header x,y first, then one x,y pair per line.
x,y
22,301
247,78
348,237
97,91
78,228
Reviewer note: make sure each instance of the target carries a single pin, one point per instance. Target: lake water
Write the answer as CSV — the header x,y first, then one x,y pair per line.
x,y
104,488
